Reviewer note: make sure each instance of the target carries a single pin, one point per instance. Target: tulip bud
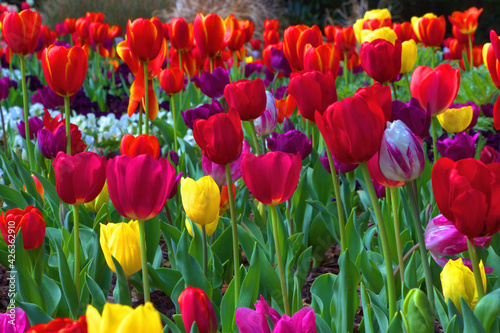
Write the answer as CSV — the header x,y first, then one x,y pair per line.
x,y
456,120
401,153
418,313
121,240
200,199
458,282
266,123
408,55
101,200
291,142
196,307
35,124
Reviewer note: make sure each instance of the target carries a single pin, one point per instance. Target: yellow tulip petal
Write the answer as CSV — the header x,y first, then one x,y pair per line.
x,y
143,319
408,55
112,317
383,33
93,319
456,120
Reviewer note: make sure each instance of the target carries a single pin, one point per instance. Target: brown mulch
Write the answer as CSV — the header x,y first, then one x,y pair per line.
x,y
4,289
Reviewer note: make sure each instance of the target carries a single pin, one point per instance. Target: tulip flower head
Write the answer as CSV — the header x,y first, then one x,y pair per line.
x,y
213,84
203,111
456,120
145,38
209,32
200,199
408,55
292,142
30,220
466,22
295,39
247,97
142,144
21,323
461,146
196,307
429,29
266,123
180,34
21,31
413,115
381,59
62,325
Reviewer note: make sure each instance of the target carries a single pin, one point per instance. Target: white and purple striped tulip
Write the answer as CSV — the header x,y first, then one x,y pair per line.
x,y
265,124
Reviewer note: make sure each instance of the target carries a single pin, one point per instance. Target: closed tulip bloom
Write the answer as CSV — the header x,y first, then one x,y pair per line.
x,y
138,187
413,115
345,39
466,22
200,199
295,39
462,146
30,220
4,88
324,58
209,32
142,144
203,111
292,142
330,32
213,84
404,31
101,200
378,177
385,33
196,307
79,178
285,106
429,29
21,31
172,80
467,193
180,34
381,60
145,38
273,177
456,120
458,282
123,318
313,91
209,228
35,124
220,137
408,56
418,313
218,171
61,325
247,97
266,123
401,155
64,69
21,323
436,87
352,128
121,240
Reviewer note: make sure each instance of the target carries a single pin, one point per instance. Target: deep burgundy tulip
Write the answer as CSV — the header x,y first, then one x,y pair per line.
x,y
279,62
213,84
203,111
50,99
273,177
313,91
413,115
247,97
51,144
460,147
220,137
381,60
79,178
339,166
489,155
4,88
138,187
218,172
291,142
196,307
35,124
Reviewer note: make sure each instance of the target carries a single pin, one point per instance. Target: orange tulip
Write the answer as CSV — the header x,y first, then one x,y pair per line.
x,y
323,58
462,38
94,17
82,29
98,32
430,29
285,107
234,37
180,34
21,31
248,28
145,38
466,22
295,39
172,80
209,34
64,69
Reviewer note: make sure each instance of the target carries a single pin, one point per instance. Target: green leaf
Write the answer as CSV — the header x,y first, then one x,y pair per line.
x,y
17,184
321,294
164,279
13,198
170,325
228,308
488,309
122,291
471,323
250,287
35,314
68,286
52,294
98,298
27,179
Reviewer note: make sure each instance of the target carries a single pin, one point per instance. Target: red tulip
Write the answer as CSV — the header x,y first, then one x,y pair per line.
x,y
324,58
248,28
180,34
404,31
98,32
352,128
456,49
247,97
466,22
271,24
82,29
330,31
64,69
271,37
381,95
220,137
313,91
196,307
21,31
345,39
145,38
437,87
462,38
235,37
209,34
61,325
138,187
295,39
142,144
431,30
30,220
70,25
271,178
172,80
115,31
285,107
467,193
381,60
79,178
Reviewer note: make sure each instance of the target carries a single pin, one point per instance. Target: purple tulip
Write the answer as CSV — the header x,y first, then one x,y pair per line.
x,y
203,111
461,146
442,239
266,123
218,172
213,84
293,142
379,189
487,110
50,144
33,82
48,98
4,88
401,156
287,125
414,116
14,321
339,166
174,157
279,62
35,124
173,192
62,43
252,67
476,111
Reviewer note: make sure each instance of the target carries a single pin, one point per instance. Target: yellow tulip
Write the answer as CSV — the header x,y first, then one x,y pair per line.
x,y
408,55
209,228
383,33
358,27
101,200
414,22
124,319
201,199
248,59
121,240
456,120
458,281
485,53
377,14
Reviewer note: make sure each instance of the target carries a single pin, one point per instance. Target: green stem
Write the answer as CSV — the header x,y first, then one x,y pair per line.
x,y
29,151
475,269
235,65
140,118
407,84
434,138
68,125
281,267
76,246
394,90
172,107
395,213
234,226
144,260
391,287
344,72
289,213
212,64
471,62
97,65
205,257
4,133
146,97
421,242
338,200
432,57
254,137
